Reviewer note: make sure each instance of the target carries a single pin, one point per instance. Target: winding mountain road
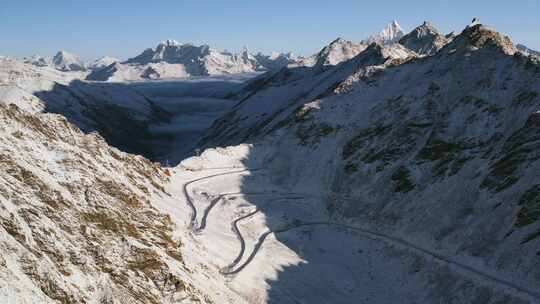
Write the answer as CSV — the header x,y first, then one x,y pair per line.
x,y
234,268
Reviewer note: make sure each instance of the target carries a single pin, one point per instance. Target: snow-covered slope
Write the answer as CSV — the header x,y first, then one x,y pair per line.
x,y
76,220
19,81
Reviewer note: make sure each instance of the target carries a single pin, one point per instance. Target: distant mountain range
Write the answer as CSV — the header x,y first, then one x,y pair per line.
x,y
171,59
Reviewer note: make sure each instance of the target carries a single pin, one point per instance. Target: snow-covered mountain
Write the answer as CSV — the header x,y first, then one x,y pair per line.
x,y
437,153
67,62
171,59
390,34
383,173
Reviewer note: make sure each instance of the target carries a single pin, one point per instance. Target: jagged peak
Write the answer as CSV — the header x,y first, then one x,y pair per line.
x,y
170,42
390,34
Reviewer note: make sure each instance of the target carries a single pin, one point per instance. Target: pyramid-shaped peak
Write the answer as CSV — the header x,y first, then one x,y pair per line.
x,y
427,28
424,39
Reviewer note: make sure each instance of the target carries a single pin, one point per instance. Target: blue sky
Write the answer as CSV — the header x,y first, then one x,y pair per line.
x,y
124,28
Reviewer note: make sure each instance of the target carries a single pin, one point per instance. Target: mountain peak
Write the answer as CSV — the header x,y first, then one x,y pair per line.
x,y
478,37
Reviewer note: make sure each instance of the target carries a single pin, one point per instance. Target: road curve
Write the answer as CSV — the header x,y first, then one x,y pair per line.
x,y
193,216
216,200
240,238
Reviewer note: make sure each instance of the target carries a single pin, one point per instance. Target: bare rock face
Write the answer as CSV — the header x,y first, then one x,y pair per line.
x,y
76,224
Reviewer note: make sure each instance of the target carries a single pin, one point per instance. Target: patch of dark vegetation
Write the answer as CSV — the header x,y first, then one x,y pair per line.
x,y
525,98
384,144
402,180
351,168
363,136
521,147
531,237
313,133
433,88
530,207
436,149
481,104
448,157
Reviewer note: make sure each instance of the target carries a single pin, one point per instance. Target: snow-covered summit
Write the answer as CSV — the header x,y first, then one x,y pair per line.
x,y
338,51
